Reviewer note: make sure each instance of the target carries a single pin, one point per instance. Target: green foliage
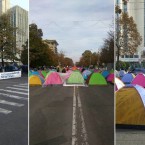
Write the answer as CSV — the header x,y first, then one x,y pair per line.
x,y
24,54
8,48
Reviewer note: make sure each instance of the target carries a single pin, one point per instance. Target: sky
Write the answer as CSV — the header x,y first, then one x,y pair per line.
x,y
77,25
22,3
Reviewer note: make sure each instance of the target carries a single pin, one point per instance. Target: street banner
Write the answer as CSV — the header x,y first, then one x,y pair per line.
x,y
8,75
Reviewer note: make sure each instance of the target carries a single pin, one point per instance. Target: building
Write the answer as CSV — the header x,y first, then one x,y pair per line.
x,y
19,19
52,44
136,9
4,6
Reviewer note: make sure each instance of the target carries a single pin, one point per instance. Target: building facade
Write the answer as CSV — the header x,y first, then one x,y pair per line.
x,y
19,19
4,6
52,44
136,9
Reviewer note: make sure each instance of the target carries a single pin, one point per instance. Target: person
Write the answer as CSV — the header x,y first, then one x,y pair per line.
x,y
63,70
57,68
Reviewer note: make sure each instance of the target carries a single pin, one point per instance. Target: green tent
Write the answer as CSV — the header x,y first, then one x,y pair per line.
x,y
75,78
30,73
111,71
44,73
96,79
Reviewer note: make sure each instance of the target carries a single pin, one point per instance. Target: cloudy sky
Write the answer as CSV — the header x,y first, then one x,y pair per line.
x,y
22,3
77,25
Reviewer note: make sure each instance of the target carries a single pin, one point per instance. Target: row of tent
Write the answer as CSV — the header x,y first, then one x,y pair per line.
x,y
130,103
71,77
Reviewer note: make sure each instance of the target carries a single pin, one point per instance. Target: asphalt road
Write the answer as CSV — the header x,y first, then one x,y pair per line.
x,y
14,111
72,115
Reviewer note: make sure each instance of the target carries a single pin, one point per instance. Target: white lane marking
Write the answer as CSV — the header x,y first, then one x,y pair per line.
x,y
10,91
4,111
83,127
11,103
20,86
74,125
26,84
13,96
17,88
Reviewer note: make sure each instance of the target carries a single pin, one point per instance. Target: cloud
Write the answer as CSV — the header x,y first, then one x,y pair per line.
x,y
77,25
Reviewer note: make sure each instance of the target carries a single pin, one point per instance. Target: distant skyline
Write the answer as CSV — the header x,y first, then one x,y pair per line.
x,y
77,25
22,3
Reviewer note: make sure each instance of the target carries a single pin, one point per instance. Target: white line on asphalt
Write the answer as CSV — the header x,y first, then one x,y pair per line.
x,y
83,127
20,86
11,103
74,125
13,96
26,84
13,91
4,111
17,88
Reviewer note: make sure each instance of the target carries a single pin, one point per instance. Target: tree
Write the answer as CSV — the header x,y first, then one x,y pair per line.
x,y
8,48
24,54
107,51
127,36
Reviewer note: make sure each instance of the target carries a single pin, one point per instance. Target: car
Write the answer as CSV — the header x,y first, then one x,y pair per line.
x,y
138,70
10,68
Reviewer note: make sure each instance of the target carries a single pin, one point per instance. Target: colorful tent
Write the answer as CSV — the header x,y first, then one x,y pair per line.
x,y
110,78
139,80
111,71
105,73
122,73
130,106
35,80
127,78
96,79
118,84
35,73
53,79
86,73
44,73
75,78
74,68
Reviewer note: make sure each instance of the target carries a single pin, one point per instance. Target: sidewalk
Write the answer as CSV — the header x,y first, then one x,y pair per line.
x,y
130,137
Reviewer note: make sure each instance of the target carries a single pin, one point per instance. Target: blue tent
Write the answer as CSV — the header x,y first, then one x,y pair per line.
x,y
105,73
127,78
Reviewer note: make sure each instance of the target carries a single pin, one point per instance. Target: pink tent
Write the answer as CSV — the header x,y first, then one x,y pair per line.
x,y
139,80
53,79
110,78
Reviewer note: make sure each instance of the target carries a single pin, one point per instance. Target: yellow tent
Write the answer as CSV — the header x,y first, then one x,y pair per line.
x,y
130,106
34,80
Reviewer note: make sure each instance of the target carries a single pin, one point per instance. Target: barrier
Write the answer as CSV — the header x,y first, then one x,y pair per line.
x,y
9,75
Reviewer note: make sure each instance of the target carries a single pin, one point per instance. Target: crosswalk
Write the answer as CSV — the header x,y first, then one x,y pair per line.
x,y
14,96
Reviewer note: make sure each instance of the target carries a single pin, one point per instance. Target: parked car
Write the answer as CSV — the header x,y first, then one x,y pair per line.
x,y
11,68
138,70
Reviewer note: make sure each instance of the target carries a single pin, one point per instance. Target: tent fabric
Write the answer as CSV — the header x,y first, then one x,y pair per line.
x,y
118,84
35,80
105,73
122,73
75,78
35,73
116,73
139,80
127,78
110,77
111,71
74,68
86,73
96,79
44,73
53,79
130,109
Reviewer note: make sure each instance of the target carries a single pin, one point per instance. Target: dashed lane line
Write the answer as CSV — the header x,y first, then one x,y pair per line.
x,y
20,86
10,91
22,89
4,111
11,103
13,96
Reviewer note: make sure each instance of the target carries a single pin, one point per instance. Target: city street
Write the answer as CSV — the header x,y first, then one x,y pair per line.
x,y
72,115
14,111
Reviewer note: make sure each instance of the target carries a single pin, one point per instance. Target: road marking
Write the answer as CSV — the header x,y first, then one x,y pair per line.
x,y
14,91
4,111
11,103
74,124
13,96
83,127
26,84
20,86
17,88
